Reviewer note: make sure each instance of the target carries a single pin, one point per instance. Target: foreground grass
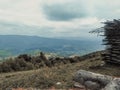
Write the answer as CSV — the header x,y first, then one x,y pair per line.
x,y
45,77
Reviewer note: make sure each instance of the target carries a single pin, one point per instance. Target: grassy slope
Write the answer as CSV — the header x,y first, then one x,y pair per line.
x,y
48,77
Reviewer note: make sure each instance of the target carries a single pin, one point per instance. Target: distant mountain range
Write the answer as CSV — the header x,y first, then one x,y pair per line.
x,y
11,45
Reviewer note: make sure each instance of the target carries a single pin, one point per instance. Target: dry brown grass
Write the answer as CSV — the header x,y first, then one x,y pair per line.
x,y
46,77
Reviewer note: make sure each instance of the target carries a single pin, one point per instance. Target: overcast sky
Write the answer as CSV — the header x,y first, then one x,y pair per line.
x,y
55,18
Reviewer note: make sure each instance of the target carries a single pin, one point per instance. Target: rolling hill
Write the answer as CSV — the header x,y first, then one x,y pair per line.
x,y
11,45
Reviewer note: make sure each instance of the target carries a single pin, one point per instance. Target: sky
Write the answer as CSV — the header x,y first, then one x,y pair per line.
x,y
56,18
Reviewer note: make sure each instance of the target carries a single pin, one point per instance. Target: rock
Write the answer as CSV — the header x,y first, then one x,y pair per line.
x,y
78,85
92,85
94,81
58,83
82,76
113,85
80,80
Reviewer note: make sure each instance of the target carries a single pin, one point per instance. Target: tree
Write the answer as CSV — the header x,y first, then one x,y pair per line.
x,y
111,32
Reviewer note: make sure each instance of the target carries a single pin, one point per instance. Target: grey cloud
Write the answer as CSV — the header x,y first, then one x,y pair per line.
x,y
79,9
64,12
